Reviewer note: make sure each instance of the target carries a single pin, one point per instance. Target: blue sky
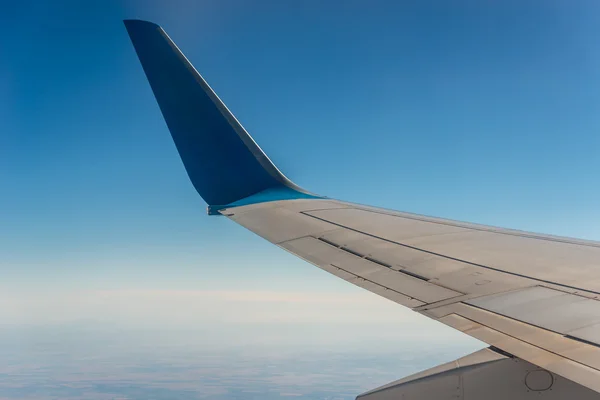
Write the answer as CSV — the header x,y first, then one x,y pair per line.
x,y
479,111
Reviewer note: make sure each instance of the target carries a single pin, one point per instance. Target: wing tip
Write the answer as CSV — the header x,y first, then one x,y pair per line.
x,y
222,160
139,23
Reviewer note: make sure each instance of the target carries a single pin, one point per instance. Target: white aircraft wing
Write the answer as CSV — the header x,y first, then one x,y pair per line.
x,y
533,298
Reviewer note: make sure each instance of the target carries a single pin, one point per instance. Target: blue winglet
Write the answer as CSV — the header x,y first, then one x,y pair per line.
x,y
223,162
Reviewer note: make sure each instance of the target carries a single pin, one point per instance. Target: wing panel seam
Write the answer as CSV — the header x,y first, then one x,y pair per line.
x,y
520,339
375,261
449,257
492,229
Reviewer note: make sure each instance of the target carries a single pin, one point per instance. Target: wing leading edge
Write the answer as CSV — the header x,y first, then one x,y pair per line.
x,y
532,296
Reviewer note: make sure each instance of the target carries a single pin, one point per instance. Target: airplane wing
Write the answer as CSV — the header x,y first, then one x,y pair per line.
x,y
533,298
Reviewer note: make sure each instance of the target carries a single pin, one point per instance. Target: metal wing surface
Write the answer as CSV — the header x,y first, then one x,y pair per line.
x,y
531,297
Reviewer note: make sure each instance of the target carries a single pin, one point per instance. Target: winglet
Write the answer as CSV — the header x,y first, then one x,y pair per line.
x,y
222,160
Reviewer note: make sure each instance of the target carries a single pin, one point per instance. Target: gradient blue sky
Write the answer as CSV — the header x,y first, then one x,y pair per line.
x,y
480,111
